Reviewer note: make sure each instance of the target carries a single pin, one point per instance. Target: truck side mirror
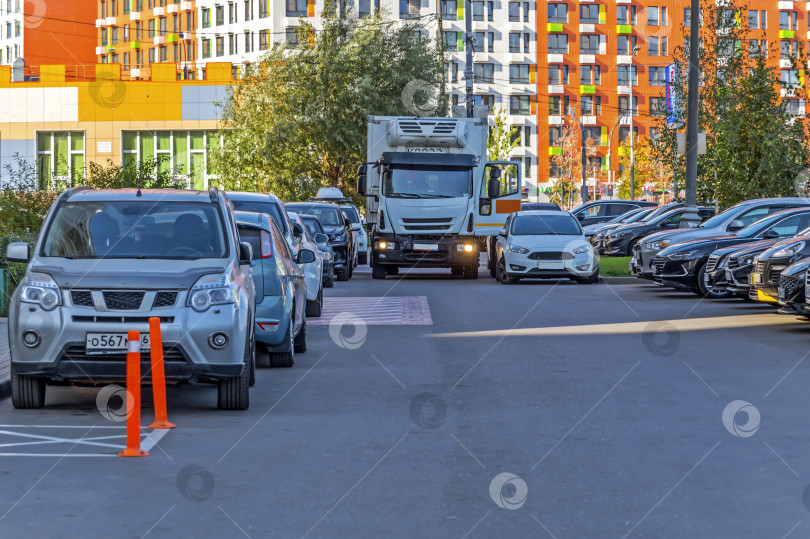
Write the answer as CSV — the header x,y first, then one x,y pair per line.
x,y
361,179
494,186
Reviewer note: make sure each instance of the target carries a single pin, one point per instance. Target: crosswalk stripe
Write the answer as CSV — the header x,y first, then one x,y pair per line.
x,y
396,310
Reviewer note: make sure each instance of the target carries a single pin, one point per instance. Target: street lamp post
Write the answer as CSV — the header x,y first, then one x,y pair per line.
x,y
690,215
610,142
632,133
185,54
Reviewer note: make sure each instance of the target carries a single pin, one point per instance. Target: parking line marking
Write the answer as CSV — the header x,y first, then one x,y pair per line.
x,y
377,310
149,440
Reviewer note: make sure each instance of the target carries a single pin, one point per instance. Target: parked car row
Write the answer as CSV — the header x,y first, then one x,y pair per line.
x,y
229,275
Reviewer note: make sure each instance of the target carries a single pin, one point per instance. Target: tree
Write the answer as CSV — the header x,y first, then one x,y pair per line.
x,y
650,172
567,160
148,174
501,142
296,121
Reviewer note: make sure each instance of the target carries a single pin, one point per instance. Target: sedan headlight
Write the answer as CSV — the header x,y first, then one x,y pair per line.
x,y
746,260
513,247
582,249
789,250
40,288
212,289
657,245
681,256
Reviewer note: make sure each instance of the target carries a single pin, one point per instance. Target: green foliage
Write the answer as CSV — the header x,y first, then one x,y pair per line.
x,y
153,174
297,119
502,141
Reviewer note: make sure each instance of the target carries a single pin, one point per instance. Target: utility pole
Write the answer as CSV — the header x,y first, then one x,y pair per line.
x,y
690,215
468,69
441,47
632,132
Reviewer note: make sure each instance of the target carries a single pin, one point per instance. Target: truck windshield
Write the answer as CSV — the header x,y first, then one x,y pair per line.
x,y
408,181
145,229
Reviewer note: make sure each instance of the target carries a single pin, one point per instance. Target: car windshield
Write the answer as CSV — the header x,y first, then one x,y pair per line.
x,y
313,225
660,210
257,206
640,215
136,229
755,228
719,219
408,181
544,225
327,214
351,213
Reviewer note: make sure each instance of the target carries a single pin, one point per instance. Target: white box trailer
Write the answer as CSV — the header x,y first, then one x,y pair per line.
x,y
431,193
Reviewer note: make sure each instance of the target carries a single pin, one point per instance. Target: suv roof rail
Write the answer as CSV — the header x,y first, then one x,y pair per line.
x,y
213,194
77,189
344,200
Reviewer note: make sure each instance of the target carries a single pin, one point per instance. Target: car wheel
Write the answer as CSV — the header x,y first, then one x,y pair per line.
x,y
704,289
342,275
471,271
378,272
590,280
252,380
329,281
457,270
314,307
300,342
630,247
502,275
27,391
362,259
284,359
234,392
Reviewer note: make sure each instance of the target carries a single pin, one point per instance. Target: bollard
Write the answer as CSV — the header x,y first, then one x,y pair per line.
x,y
133,397
158,376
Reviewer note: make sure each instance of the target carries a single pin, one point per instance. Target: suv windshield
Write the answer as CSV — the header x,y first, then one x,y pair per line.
x,y
408,181
256,206
543,225
351,213
327,214
136,229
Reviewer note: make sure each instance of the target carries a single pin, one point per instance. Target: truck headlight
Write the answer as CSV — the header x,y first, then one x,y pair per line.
x,y
386,245
465,247
212,289
518,249
40,288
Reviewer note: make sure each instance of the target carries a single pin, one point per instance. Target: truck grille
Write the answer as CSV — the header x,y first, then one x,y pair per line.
x,y
711,264
123,301
427,220
427,227
164,299
81,298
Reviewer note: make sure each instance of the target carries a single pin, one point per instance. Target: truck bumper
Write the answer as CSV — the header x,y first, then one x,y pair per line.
x,y
424,252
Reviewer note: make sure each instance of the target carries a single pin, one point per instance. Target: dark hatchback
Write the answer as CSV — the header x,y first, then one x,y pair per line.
x,y
621,240
601,211
793,288
683,265
767,275
729,269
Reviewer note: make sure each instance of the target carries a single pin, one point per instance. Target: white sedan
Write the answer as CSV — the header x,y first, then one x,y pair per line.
x,y
313,271
544,244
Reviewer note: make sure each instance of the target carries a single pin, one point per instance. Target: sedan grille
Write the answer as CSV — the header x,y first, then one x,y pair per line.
x,y
81,298
548,255
760,268
165,299
658,264
123,301
733,263
711,264
789,284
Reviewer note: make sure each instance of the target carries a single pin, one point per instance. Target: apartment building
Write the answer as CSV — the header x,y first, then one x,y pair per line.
x,y
139,33
45,33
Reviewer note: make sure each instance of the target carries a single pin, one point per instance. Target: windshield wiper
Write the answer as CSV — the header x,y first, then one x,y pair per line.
x,y
403,195
438,196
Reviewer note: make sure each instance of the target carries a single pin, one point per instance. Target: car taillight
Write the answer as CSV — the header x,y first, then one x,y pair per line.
x,y
267,244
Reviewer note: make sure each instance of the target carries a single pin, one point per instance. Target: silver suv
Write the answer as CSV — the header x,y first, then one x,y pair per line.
x,y
106,261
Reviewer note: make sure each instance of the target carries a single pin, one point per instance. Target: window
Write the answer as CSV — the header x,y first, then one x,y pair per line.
x,y
220,14
248,42
624,105
231,13
658,106
554,134
788,49
657,46
450,41
409,9
364,8
60,158
164,54
126,7
727,47
477,10
758,48
490,9
527,135
558,43
558,105
187,153
514,11
485,100
789,78
248,11
114,35
151,28
626,44
263,45
296,8
163,31
558,13
558,74
519,73
687,18
232,44
526,10
452,71
482,72
590,74
626,14
17,28
657,16
527,167
152,52
514,42
478,41
592,133
757,20
624,133
788,20
263,12
726,18
449,10
592,106
220,41
589,44
519,104
526,41
589,13
490,41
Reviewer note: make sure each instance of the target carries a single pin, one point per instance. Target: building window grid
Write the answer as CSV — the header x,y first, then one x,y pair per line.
x,y
184,153
60,157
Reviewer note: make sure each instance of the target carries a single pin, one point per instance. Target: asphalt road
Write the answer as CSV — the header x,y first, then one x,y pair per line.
x,y
604,405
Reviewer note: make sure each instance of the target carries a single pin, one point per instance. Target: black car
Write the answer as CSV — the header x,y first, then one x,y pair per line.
x,y
683,265
729,269
337,227
596,233
793,288
621,240
601,211
766,277
527,206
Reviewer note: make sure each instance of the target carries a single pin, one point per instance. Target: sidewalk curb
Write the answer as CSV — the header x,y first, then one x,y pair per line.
x,y
620,280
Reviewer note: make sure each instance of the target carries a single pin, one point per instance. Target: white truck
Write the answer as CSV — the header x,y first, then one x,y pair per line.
x,y
431,193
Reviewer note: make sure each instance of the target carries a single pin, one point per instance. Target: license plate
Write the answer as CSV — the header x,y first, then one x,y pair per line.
x,y
110,343
550,265
728,276
426,150
425,247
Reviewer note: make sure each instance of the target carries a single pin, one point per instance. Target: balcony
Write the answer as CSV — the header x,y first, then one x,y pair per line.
x,y
185,6
624,90
135,16
109,21
555,58
99,23
173,8
160,40
624,28
101,50
588,120
134,44
587,28
786,5
556,89
587,59
624,59
158,12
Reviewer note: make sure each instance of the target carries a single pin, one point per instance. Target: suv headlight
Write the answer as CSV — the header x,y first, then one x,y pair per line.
x,y
789,250
582,249
212,289
513,247
40,288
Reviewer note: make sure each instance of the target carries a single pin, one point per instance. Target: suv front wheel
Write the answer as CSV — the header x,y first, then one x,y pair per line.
x,y
234,392
27,391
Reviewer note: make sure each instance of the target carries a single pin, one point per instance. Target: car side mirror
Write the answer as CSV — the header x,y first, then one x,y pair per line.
x,y
321,238
245,253
502,233
347,222
19,251
771,235
305,256
361,179
735,225
580,216
298,232
357,227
